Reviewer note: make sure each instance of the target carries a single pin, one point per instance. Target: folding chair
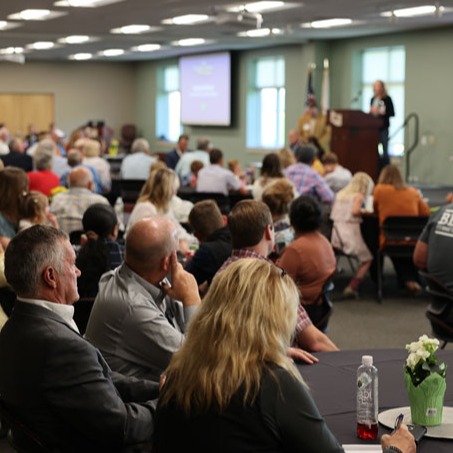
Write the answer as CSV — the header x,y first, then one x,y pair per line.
x,y
339,252
401,234
440,310
223,201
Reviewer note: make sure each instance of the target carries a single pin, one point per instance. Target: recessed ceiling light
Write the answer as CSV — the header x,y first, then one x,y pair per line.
x,y
411,12
81,56
84,3
74,39
41,45
112,52
255,33
131,29
11,50
187,19
3,24
30,14
146,48
328,23
190,42
257,7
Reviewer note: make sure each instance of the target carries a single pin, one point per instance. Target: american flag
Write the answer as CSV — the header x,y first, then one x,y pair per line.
x,y
310,92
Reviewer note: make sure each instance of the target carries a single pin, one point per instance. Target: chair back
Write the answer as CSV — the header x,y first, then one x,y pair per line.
x,y
129,191
403,229
223,201
21,437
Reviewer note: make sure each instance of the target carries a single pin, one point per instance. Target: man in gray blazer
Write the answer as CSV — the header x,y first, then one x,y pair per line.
x,y
50,377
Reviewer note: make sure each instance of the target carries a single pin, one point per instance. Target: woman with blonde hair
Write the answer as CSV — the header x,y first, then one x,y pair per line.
x,y
346,215
91,150
391,197
155,199
35,211
231,386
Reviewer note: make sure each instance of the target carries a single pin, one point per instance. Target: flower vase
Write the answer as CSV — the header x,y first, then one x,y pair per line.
x,y
426,400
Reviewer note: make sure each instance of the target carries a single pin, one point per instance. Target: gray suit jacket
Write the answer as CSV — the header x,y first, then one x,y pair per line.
x,y
62,387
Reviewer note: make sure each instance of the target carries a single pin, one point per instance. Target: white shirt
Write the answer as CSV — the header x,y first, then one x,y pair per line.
x,y
64,311
136,166
215,178
182,168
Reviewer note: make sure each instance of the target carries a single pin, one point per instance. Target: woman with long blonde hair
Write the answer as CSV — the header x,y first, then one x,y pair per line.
x,y
346,215
232,374
154,199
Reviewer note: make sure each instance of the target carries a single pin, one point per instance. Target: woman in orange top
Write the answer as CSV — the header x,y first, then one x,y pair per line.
x,y
391,197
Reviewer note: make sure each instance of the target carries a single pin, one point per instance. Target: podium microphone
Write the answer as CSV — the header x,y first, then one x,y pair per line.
x,y
357,97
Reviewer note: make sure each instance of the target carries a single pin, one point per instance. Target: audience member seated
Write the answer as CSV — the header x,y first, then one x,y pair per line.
x,y
17,156
346,215
432,251
391,197
92,157
13,187
100,251
306,180
317,164
209,227
278,197
235,166
4,140
180,208
137,164
309,259
173,156
286,157
75,159
43,179
56,382
335,176
69,206
294,139
314,124
271,171
155,198
182,168
252,235
195,168
138,319
260,401
215,178
34,210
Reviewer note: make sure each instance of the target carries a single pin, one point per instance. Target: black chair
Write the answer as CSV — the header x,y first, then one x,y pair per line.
x,y
129,192
401,234
21,437
440,310
222,200
321,309
82,311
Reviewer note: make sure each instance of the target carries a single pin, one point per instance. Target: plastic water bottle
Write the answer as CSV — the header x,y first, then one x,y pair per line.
x,y
119,210
367,399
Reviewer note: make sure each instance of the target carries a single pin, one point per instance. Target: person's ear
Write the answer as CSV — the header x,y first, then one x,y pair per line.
x,y
166,264
225,220
50,277
268,232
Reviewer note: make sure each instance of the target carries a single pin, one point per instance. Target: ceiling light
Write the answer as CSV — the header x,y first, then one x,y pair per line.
x,y
328,23
112,52
131,29
81,56
81,3
74,39
30,14
190,42
187,19
255,33
11,50
146,48
3,24
84,3
411,12
41,45
257,7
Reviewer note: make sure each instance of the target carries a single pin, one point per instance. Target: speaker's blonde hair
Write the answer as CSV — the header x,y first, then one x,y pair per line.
x,y
361,183
244,324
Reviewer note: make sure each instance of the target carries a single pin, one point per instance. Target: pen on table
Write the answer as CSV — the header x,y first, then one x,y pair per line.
x,y
398,422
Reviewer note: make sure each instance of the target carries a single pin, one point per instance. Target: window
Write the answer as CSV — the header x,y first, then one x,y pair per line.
x,y
386,64
266,103
168,104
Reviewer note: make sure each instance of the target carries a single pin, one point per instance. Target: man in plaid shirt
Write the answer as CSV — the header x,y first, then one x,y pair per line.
x,y
252,234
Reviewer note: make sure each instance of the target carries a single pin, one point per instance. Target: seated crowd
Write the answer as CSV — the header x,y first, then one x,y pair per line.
x,y
166,316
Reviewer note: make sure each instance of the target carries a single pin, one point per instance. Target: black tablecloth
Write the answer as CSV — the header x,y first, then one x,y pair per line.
x,y
332,382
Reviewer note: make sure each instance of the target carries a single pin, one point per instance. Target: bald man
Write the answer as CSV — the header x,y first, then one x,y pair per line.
x,y
138,319
70,206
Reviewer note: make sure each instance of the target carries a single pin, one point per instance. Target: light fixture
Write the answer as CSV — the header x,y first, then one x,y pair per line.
x,y
133,29
260,32
257,7
146,48
36,14
190,42
424,10
84,3
11,50
186,19
3,24
81,56
74,39
112,52
328,23
41,45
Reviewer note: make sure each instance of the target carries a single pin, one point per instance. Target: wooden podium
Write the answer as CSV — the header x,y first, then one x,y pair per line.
x,y
355,138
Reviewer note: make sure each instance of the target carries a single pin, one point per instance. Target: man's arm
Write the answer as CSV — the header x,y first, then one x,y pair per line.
x,y
420,256
313,340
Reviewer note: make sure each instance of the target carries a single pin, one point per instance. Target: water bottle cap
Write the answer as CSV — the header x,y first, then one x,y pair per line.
x,y
367,360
